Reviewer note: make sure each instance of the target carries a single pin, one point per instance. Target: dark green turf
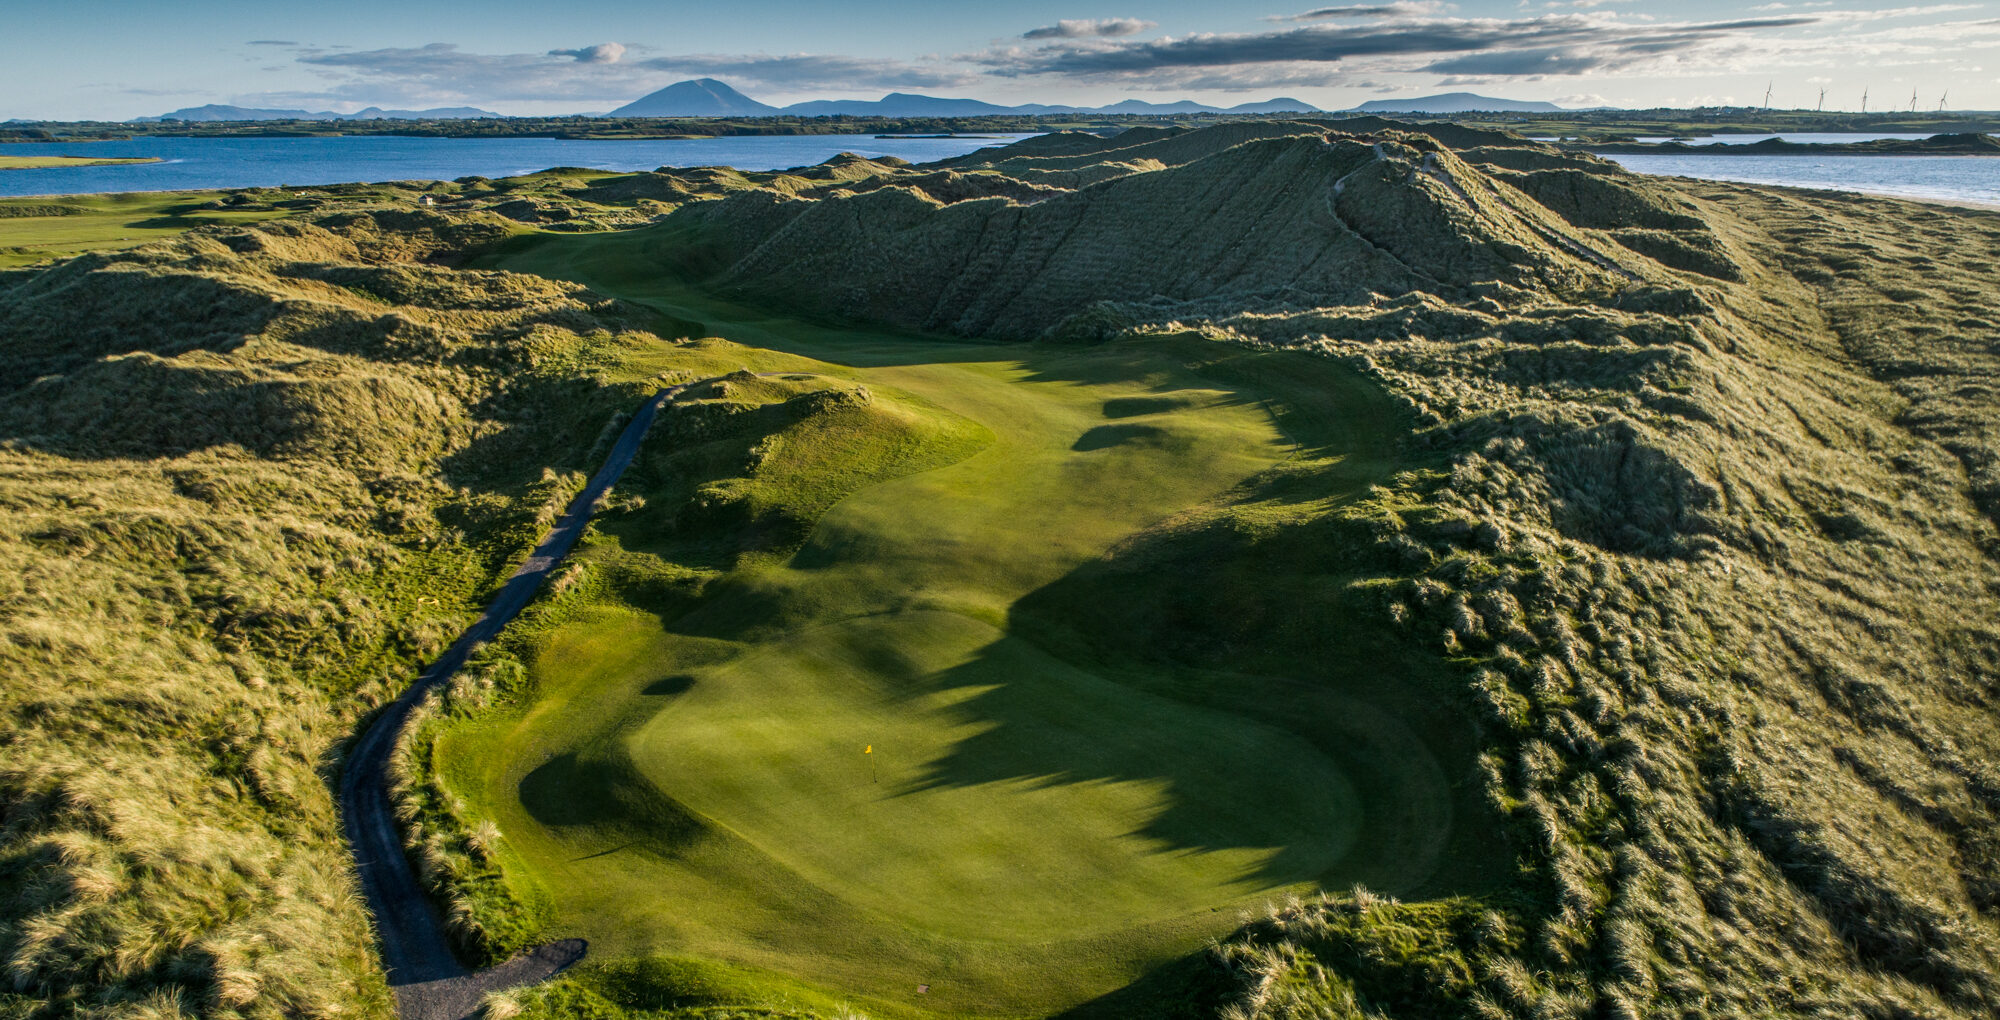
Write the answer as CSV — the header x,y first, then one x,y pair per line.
x,y
1071,779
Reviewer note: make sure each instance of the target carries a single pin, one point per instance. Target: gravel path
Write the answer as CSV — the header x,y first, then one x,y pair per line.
x,y
427,978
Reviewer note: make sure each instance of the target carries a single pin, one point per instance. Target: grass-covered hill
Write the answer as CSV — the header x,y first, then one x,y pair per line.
x,y
1709,538
251,478
1231,217
1587,582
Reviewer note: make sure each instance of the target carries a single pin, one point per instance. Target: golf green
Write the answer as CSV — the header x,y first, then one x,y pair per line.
x,y
850,767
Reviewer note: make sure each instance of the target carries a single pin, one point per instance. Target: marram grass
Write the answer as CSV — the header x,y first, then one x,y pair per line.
x,y
1660,515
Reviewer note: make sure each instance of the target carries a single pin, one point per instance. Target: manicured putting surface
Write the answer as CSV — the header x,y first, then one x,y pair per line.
x,y
1007,794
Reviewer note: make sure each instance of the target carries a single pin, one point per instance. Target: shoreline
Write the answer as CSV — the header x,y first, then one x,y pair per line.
x,y
1958,203
1796,153
1951,144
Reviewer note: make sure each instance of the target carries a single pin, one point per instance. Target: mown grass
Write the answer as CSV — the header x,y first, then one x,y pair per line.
x,y
36,230
1050,809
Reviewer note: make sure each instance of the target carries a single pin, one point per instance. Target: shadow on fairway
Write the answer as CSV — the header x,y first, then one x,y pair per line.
x,y
1262,621
1411,816
603,794
1104,437
1192,987
1133,407
670,686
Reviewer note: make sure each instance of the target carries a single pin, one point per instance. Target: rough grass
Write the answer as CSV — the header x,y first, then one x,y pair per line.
x,y
231,531
1682,543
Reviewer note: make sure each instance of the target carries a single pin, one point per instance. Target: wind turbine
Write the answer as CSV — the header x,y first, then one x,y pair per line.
x,y
1767,94
1913,100
1821,105
1864,100
1946,94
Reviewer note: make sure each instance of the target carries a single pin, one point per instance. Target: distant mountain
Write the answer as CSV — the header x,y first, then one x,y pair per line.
x,y
215,111
904,104
1161,109
707,97
1456,102
439,113
702,97
1280,105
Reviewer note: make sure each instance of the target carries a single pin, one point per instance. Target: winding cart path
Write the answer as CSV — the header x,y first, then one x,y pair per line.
x,y
428,980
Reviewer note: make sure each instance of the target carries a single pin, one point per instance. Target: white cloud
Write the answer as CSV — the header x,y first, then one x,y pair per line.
x,y
1353,12
1087,28
602,53
1416,43
443,74
810,72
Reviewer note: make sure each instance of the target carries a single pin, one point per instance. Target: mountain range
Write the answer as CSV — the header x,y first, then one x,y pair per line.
x,y
215,111
1456,102
707,97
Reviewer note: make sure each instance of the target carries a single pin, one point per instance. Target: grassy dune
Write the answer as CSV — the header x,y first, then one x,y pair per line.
x,y
1557,593
242,502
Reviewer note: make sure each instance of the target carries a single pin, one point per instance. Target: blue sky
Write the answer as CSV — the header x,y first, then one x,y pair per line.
x,y
113,59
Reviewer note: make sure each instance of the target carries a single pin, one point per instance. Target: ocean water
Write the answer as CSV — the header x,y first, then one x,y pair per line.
x,y
203,163
1813,137
1945,178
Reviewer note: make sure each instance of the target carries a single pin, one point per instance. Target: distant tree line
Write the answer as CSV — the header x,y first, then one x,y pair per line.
x,y
1595,125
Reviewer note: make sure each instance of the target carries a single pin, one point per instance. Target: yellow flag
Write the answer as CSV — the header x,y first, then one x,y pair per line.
x,y
870,749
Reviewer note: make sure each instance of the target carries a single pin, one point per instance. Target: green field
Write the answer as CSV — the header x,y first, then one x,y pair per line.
x,y
51,162
934,743
37,229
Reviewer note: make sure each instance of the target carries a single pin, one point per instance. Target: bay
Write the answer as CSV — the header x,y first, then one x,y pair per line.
x,y
1938,178
1802,137
211,163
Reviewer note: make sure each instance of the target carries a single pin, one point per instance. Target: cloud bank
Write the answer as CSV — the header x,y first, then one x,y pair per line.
x,y
1422,43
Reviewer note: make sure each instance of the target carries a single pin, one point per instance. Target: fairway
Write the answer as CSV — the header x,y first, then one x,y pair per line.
x,y
36,229
858,765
